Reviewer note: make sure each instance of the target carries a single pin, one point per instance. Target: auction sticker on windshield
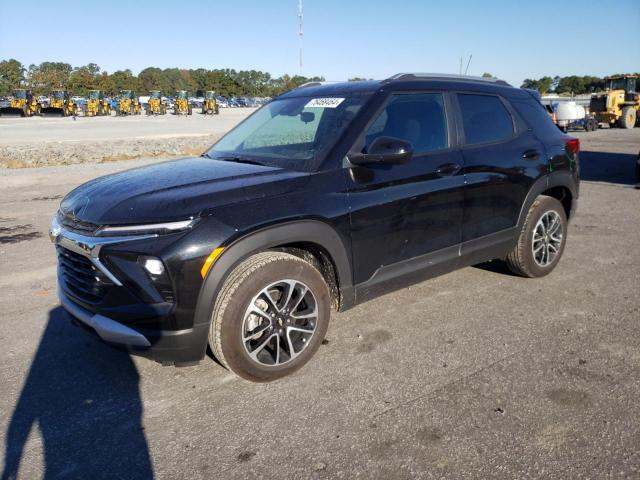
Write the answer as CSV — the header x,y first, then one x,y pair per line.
x,y
330,102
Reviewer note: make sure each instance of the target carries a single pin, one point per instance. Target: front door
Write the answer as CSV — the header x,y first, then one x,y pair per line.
x,y
400,212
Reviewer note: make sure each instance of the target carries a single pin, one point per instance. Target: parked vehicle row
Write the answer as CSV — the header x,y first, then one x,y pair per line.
x,y
96,103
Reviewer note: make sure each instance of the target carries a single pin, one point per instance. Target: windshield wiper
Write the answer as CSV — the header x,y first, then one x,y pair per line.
x,y
239,160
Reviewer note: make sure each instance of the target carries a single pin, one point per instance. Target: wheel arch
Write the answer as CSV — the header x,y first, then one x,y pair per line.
x,y
313,240
560,185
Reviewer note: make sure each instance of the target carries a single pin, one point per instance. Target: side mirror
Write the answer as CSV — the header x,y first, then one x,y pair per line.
x,y
387,150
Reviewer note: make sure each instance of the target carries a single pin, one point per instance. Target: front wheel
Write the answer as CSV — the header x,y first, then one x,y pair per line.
x,y
270,316
542,239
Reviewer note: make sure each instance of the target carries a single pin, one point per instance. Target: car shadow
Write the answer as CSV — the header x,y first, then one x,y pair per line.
x,y
608,167
82,398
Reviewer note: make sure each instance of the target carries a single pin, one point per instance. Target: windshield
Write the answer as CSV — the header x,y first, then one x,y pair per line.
x,y
125,94
58,95
181,94
20,94
210,95
291,133
618,84
94,94
155,94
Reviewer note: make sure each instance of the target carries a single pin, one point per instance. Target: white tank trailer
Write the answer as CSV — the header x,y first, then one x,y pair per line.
x,y
571,115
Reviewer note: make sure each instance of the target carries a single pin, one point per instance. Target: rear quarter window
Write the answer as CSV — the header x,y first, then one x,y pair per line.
x,y
536,117
484,118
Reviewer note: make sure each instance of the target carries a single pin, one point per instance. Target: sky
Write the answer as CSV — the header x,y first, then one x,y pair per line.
x,y
512,40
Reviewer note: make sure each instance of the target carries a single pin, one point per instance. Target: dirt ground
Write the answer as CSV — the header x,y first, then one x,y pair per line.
x,y
41,141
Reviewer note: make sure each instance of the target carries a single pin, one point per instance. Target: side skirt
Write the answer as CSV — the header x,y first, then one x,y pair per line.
x,y
418,269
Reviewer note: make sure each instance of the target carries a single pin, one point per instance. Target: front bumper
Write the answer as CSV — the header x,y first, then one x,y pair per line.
x,y
122,317
171,347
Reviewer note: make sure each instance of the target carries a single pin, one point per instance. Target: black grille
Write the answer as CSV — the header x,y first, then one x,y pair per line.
x,y
76,225
81,277
598,104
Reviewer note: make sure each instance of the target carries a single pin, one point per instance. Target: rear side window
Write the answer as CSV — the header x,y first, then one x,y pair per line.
x,y
418,118
484,118
537,117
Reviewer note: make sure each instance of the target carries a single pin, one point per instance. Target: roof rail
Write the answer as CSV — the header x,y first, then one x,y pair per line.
x,y
444,76
309,84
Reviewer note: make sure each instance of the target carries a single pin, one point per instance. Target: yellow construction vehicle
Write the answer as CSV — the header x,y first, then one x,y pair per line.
x,y
97,104
23,103
156,105
210,105
59,104
620,104
128,104
182,104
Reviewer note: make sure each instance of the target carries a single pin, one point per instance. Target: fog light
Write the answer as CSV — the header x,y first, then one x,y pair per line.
x,y
154,266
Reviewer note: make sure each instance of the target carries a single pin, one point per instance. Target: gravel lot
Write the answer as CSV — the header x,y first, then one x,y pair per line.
x,y
475,374
40,141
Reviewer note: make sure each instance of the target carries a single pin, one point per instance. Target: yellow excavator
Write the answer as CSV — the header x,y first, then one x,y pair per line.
x,y
23,103
97,104
156,105
620,104
59,104
182,104
210,105
128,104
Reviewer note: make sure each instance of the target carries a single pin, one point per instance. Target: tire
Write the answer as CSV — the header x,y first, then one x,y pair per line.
x,y
628,118
231,321
522,260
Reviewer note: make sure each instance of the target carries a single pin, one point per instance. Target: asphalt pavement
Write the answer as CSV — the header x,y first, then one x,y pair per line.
x,y
475,374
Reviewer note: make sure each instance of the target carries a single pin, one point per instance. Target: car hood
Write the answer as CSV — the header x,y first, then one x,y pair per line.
x,y
174,190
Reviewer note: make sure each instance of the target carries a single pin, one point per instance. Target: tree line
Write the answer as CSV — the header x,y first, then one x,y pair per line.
x,y
573,84
48,76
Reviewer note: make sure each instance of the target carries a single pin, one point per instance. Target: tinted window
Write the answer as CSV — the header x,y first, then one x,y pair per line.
x,y
485,118
418,118
537,117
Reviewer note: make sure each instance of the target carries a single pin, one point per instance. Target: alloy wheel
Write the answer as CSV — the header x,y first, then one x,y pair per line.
x,y
547,239
279,322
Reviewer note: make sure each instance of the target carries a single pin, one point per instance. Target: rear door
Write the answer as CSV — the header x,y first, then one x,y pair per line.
x,y
502,159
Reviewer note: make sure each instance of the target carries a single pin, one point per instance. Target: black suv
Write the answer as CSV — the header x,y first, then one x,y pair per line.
x,y
329,195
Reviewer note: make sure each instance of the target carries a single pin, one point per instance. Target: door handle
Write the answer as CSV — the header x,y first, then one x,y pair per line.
x,y
448,169
531,155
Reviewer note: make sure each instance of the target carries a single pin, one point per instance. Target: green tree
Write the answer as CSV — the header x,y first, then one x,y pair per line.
x,y
49,76
123,80
151,78
83,78
487,75
11,75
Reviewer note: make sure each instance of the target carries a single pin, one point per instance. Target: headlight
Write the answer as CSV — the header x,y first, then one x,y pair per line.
x,y
158,228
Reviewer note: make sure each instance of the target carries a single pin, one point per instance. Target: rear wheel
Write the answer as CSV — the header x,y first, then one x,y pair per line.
x,y
628,118
270,316
542,239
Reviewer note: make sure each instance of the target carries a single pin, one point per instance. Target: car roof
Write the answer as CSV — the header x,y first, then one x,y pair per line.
x,y
406,81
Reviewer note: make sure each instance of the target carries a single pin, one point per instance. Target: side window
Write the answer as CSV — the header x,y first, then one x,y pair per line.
x,y
484,118
418,118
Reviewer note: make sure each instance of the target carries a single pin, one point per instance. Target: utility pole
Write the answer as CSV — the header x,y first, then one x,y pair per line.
x,y
300,34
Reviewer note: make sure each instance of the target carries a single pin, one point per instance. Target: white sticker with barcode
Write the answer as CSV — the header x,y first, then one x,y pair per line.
x,y
329,102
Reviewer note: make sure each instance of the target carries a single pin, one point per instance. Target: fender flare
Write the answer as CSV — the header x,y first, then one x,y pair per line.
x,y
312,231
554,179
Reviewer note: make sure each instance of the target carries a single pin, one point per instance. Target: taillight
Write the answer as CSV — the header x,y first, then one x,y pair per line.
x,y
573,145
554,117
